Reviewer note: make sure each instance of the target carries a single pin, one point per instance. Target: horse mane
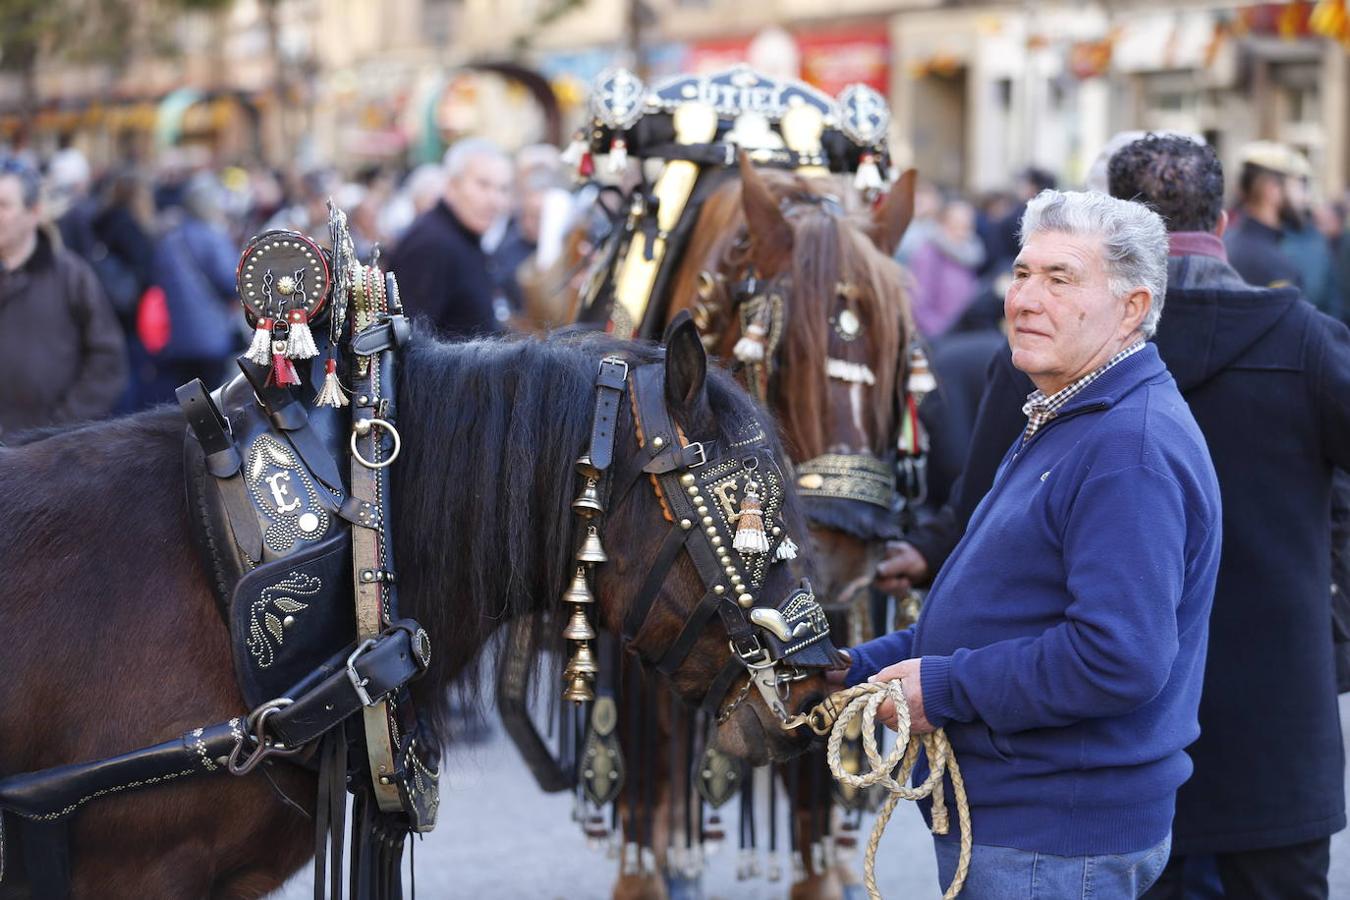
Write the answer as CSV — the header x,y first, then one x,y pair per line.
x,y
482,494
831,245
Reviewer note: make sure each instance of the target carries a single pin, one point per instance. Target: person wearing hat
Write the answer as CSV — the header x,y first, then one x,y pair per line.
x,y
1265,206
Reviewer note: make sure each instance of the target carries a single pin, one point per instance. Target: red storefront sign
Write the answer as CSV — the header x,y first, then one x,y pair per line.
x,y
830,59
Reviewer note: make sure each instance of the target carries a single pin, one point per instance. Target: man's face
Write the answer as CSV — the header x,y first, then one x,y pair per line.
x,y
481,193
18,223
1062,318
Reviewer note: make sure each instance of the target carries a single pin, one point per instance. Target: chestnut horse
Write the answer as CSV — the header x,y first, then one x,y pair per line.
x,y
807,241
115,642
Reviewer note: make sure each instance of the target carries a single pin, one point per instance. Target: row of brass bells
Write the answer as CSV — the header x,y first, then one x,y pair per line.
x,y
579,675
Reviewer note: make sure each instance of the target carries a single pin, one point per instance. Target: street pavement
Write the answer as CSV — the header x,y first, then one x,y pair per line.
x,y
500,838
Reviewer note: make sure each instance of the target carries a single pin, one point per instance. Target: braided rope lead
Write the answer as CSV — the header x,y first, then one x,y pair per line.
x,y
864,700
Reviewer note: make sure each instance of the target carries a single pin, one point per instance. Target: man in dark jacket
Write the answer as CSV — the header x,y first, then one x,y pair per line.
x,y
61,352
1268,380
1256,243
442,271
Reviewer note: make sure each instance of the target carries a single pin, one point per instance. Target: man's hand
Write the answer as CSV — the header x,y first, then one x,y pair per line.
x,y
908,671
902,567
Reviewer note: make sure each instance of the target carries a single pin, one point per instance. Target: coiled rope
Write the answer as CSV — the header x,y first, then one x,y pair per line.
x,y
864,700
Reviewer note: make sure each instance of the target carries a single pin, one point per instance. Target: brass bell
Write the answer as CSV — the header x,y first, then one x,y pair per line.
x,y
588,504
578,591
579,689
592,551
579,627
583,661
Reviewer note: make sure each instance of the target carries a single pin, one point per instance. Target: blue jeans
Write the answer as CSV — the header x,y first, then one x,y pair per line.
x,y
1002,873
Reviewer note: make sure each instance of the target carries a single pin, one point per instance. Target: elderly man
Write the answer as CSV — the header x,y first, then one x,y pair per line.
x,y
1062,646
61,350
443,272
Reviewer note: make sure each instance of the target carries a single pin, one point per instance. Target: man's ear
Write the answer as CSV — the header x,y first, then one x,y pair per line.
x,y
1137,305
891,219
769,233
686,365
1222,224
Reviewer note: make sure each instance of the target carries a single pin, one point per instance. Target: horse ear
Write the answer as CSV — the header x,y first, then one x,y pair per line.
x,y
686,363
770,234
893,216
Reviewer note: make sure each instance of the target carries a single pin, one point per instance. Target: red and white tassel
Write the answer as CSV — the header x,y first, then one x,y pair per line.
x,y
750,536
331,394
300,345
571,157
868,176
283,370
750,348
260,349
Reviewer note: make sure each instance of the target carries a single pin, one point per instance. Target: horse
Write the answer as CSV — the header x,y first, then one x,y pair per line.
x,y
834,378
115,640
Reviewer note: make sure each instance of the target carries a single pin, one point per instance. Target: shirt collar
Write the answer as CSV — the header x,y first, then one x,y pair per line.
x,y
1038,402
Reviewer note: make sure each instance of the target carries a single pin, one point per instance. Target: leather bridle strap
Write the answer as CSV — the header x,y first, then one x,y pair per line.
x,y
610,383
651,585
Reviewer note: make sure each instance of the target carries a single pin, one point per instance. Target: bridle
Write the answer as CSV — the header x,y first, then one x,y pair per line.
x,y
706,493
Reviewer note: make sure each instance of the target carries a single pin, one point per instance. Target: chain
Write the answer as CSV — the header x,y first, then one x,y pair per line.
x,y
740,698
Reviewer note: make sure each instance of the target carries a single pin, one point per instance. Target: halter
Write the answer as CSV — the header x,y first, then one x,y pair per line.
x,y
762,307
704,493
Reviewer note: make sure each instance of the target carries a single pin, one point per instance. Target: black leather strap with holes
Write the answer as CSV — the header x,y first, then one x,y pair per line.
x,y
651,585
610,382
693,627
210,427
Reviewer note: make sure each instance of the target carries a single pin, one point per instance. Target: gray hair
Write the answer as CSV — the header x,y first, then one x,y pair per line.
x,y
1134,240
458,157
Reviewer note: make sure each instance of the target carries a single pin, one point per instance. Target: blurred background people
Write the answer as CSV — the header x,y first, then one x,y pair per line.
x,y
61,350
440,262
944,268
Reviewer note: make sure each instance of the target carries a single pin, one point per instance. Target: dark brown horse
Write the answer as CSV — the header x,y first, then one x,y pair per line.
x,y
113,640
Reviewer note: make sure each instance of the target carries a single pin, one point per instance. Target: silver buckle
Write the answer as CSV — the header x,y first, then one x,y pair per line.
x,y
702,454
359,683
616,361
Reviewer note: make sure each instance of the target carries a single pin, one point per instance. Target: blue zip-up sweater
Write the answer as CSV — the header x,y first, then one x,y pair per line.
x,y
1063,642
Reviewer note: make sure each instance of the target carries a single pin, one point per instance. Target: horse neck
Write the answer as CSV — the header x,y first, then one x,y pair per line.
x,y
484,526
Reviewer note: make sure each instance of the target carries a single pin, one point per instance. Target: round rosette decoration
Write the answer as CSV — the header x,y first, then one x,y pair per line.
x,y
284,279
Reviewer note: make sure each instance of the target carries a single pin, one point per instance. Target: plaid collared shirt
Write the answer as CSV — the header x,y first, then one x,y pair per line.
x,y
1040,409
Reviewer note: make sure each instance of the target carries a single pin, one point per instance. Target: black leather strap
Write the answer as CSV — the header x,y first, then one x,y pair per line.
x,y
651,585
717,691
290,417
610,383
389,333
693,627
387,665
52,794
662,449
211,429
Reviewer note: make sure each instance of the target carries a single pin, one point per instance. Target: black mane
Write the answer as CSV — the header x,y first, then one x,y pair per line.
x,y
482,495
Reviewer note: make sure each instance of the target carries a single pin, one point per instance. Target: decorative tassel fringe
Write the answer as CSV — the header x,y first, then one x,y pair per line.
x,y
331,394
750,536
868,176
921,380
283,370
750,348
854,373
586,167
787,549
300,345
618,156
260,350
571,157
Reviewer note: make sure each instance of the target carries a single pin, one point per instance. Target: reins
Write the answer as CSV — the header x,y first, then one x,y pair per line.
x,y
833,717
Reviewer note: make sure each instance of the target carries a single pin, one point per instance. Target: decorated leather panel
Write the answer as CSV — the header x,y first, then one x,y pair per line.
x,y
284,494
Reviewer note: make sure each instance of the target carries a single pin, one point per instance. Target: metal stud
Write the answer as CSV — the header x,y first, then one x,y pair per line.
x,y
658,442
686,479
719,589
686,524
777,531
707,520
730,570
698,500
693,490
717,540
746,600
288,621
703,510
710,531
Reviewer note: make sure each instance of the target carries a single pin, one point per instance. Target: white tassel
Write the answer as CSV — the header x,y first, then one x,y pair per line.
x,y
260,350
868,176
921,380
786,550
571,157
618,157
854,373
331,394
750,348
300,344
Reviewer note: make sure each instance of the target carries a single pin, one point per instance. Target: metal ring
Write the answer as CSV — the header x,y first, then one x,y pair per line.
x,y
373,423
